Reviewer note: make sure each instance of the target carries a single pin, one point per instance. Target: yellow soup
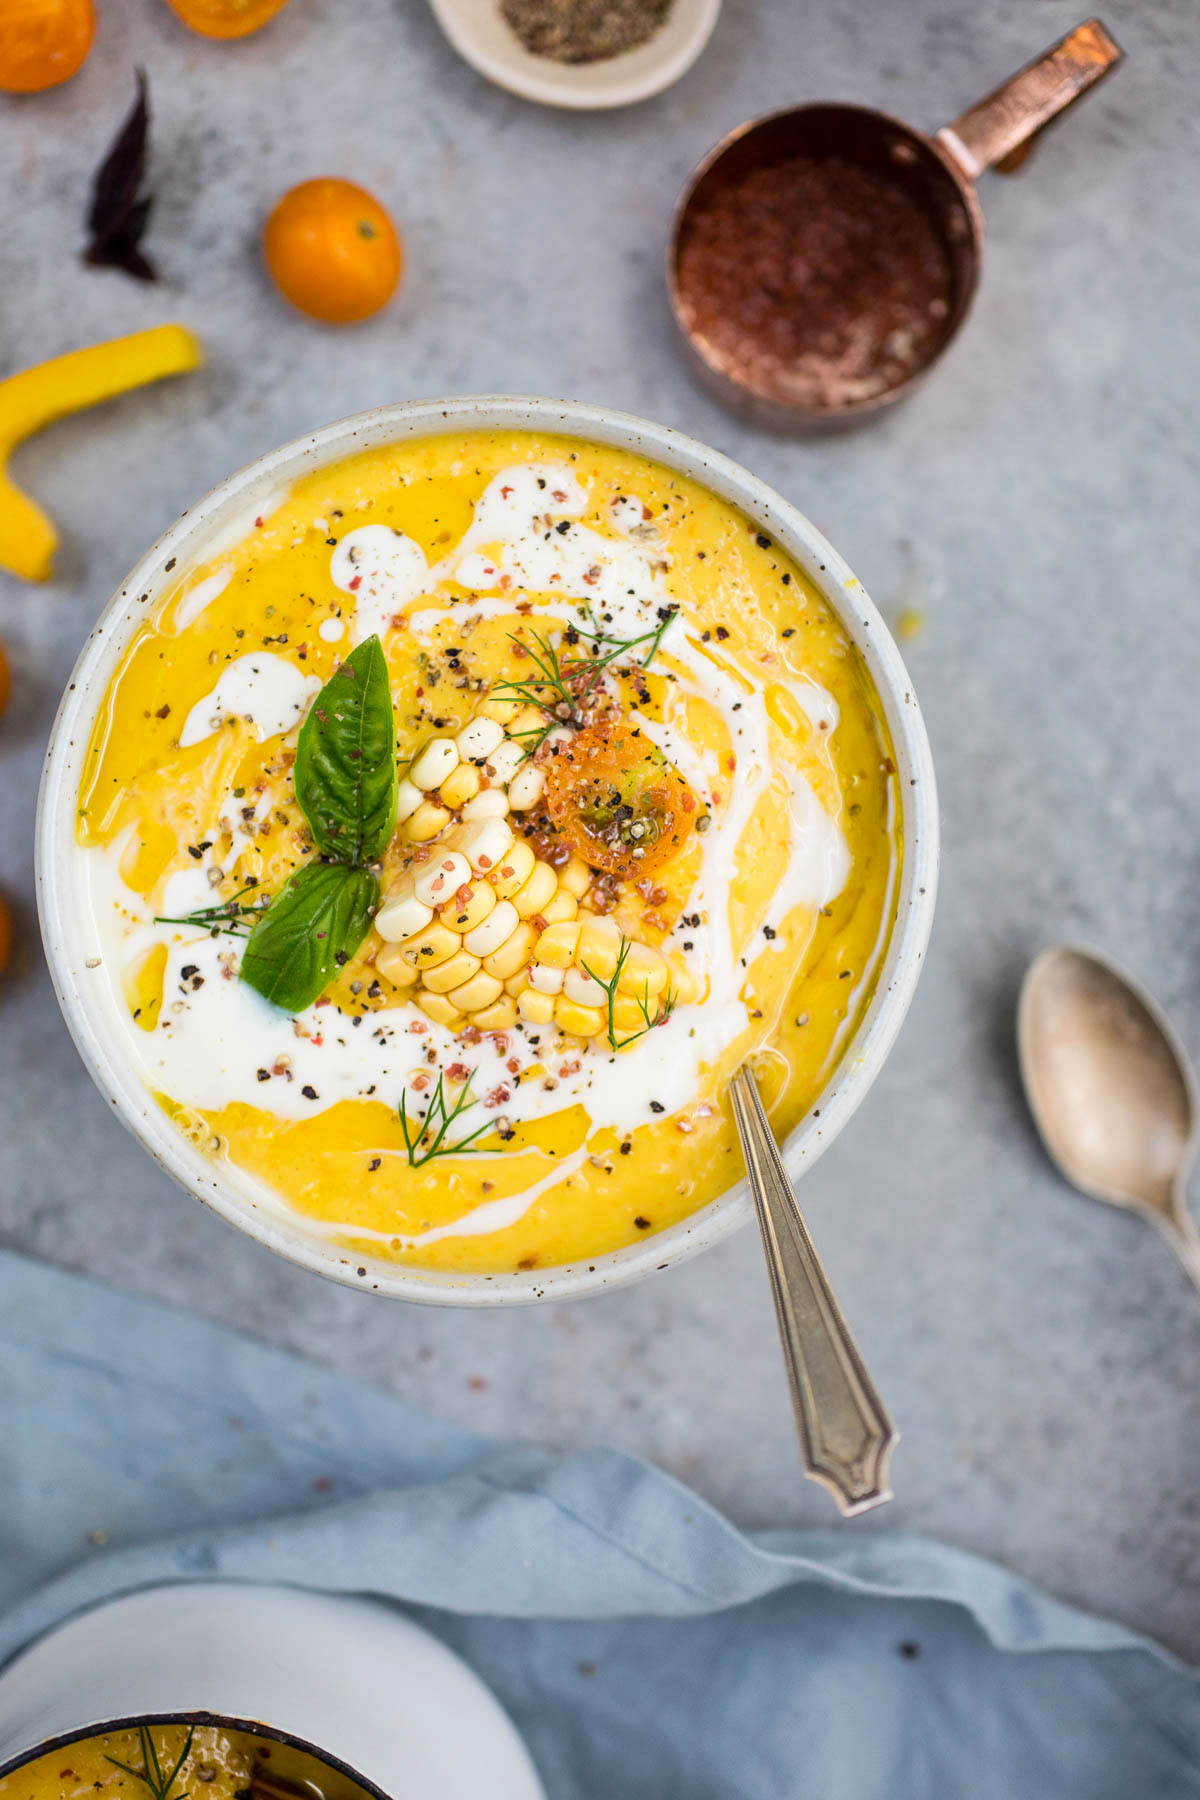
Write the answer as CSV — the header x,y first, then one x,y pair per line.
x,y
207,1760
646,824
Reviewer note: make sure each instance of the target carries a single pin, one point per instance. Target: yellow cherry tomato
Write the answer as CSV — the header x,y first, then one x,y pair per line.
x,y
616,801
332,251
43,42
225,18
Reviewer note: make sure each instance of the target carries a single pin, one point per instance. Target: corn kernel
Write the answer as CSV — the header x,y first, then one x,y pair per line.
x,y
430,767
526,719
459,787
408,798
488,803
478,737
500,1017
513,870
426,822
537,1008
503,711
557,944
480,991
465,918
452,973
599,946
583,1021
538,892
438,1008
495,930
628,1015
402,913
576,877
430,947
484,842
583,990
525,787
509,957
391,964
545,978
644,970
504,762
561,907
439,879
516,984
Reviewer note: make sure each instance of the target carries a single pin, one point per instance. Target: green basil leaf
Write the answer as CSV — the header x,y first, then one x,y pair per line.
x,y
318,918
346,760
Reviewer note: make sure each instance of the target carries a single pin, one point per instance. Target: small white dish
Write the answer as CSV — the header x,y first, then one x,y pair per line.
x,y
345,1677
477,30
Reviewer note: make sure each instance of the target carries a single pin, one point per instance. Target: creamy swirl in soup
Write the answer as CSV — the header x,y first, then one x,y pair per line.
x,y
455,834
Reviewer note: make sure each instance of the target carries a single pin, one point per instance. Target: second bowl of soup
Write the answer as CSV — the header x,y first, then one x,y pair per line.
x,y
447,807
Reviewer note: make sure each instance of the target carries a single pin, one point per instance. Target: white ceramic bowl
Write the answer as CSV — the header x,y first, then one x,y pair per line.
x,y
481,37
72,940
348,1678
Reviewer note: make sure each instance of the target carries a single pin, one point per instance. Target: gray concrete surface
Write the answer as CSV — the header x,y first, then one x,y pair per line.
x,y
1036,502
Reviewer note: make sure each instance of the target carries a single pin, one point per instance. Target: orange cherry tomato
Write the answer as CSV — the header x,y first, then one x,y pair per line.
x,y
332,251
43,42
616,800
6,934
225,18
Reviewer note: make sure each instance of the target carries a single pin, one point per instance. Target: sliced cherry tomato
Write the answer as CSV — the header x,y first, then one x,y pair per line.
x,y
225,18
43,42
615,799
333,251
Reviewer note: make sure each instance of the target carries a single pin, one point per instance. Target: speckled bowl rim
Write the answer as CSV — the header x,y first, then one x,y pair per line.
x,y
191,540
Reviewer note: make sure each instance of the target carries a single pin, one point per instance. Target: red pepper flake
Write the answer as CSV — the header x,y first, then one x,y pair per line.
x,y
354,583
259,522
419,1082
418,1027
498,1096
470,1034
458,1072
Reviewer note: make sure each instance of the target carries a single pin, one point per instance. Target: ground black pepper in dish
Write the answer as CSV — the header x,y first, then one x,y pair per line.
x,y
584,31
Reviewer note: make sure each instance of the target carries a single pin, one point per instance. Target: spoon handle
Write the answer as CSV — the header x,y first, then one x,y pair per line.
x,y
845,1431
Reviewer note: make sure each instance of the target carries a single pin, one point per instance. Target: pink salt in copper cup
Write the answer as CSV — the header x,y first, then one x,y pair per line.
x,y
823,258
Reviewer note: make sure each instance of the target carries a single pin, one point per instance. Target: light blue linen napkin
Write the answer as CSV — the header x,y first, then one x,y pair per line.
x,y
645,1648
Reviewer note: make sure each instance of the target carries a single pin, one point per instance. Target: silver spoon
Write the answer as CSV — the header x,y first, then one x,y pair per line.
x,y
1111,1091
845,1431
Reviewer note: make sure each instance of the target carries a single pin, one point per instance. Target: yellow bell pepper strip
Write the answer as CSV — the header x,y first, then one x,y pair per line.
x,y
67,384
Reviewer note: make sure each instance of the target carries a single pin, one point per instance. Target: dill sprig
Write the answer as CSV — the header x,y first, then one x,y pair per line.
x,y
563,685
425,1137
227,916
160,1781
665,1007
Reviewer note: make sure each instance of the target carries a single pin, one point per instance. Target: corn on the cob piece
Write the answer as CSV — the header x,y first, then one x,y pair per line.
x,y
481,929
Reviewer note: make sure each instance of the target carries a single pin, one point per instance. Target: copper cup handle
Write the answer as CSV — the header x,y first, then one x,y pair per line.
x,y
998,132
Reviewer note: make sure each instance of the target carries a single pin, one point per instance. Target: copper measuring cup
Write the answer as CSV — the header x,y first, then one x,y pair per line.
x,y
937,173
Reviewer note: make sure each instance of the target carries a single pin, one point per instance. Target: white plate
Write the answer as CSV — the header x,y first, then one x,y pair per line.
x,y
351,1679
481,37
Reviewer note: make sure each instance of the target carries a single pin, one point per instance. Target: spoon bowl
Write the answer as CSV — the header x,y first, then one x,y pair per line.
x,y
1111,1090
